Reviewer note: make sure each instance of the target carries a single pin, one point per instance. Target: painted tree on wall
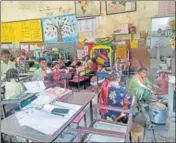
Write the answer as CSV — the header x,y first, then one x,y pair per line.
x,y
60,27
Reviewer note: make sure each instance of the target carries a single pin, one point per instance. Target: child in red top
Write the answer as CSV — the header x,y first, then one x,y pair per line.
x,y
118,66
93,66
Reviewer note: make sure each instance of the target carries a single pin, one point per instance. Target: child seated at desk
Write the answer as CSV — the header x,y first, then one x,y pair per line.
x,y
32,67
117,65
87,62
75,61
57,71
42,71
94,78
12,86
61,63
80,69
6,64
93,66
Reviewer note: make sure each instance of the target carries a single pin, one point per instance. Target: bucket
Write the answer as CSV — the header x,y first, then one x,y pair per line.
x,y
158,113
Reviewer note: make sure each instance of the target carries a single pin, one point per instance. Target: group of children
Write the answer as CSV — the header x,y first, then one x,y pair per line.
x,y
44,67
110,89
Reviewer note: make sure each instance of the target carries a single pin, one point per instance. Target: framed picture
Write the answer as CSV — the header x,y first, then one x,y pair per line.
x,y
120,6
87,8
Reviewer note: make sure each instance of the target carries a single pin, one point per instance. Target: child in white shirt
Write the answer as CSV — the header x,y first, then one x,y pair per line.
x,y
12,86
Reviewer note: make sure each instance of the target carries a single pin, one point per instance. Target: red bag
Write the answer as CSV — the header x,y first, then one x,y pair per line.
x,y
163,83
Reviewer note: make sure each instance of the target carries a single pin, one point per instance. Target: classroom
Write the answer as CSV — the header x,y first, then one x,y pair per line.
x,y
87,71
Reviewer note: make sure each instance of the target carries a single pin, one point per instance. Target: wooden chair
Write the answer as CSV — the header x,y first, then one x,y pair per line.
x,y
63,79
78,119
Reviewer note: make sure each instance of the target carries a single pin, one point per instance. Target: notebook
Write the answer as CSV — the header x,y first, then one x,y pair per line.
x,y
34,86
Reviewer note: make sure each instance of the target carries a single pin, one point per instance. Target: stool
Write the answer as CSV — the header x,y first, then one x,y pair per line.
x,y
79,118
137,132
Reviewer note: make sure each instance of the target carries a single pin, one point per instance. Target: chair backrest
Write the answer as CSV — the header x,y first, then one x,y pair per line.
x,y
63,75
115,97
101,75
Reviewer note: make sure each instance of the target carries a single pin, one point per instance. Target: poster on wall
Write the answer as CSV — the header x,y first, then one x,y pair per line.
x,y
82,52
37,49
21,31
13,48
87,8
87,29
60,29
162,35
120,6
32,49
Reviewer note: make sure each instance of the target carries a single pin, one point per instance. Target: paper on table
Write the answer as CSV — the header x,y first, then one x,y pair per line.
x,y
55,91
44,99
42,121
23,114
34,86
67,105
49,108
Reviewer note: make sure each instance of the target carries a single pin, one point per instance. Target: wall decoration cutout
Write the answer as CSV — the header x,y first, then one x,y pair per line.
x,y
134,44
120,6
87,8
60,29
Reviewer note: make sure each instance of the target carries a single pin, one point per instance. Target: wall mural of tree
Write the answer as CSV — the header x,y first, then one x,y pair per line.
x,y
60,29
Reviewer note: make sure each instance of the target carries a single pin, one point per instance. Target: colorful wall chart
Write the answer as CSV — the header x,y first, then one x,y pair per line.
x,y
21,31
33,49
87,8
60,29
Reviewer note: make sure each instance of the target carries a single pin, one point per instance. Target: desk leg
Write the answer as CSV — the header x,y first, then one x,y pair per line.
x,y
91,111
19,105
3,111
2,138
10,140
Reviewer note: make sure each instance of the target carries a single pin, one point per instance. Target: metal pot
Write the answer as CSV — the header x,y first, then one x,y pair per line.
x,y
157,113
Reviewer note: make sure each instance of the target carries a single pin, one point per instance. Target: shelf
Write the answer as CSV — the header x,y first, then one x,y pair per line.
x,y
121,34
